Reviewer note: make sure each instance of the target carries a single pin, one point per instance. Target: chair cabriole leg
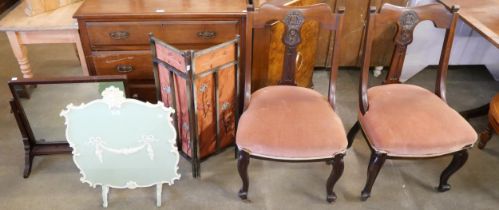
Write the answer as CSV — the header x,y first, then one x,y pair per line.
x,y
242,168
336,173
375,164
457,162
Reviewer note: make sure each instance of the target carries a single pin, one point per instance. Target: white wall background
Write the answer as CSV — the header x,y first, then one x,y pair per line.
x,y
469,48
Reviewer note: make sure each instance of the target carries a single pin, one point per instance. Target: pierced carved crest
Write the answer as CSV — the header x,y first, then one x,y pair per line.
x,y
407,21
293,21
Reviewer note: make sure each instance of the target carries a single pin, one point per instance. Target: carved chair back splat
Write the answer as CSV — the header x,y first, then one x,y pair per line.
x,y
293,19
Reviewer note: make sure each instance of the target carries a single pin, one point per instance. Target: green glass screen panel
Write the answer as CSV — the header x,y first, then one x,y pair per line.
x,y
122,143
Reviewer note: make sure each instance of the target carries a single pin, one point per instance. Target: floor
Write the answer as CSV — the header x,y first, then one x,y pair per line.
x,y
402,184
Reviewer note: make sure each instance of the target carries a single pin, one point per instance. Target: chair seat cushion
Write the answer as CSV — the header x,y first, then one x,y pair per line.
x,y
290,123
407,120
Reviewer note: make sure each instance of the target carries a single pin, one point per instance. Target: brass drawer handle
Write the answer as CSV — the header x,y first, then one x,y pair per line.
x,y
119,35
124,68
207,34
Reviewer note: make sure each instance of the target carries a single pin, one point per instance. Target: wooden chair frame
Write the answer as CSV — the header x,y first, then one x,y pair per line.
x,y
406,19
293,18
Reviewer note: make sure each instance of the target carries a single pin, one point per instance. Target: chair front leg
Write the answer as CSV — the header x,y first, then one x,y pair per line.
x,y
351,133
336,173
375,164
242,168
457,162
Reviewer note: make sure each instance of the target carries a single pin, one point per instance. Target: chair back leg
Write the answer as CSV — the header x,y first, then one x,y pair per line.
x,y
352,132
336,173
375,164
457,162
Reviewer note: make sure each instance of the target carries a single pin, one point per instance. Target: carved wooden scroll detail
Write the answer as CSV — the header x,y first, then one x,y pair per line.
x,y
293,21
407,22
291,38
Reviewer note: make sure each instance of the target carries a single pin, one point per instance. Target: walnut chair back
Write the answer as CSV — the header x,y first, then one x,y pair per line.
x,y
407,19
293,19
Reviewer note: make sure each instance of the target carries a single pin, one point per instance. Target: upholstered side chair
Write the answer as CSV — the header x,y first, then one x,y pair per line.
x,y
285,122
403,120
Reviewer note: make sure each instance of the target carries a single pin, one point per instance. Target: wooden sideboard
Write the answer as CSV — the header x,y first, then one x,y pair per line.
x,y
115,35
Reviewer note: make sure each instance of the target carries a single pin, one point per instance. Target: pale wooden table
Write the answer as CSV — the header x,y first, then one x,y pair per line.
x,y
483,16
56,26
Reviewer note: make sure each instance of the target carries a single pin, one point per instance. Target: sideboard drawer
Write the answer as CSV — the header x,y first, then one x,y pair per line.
x,y
137,65
122,33
199,32
143,92
135,35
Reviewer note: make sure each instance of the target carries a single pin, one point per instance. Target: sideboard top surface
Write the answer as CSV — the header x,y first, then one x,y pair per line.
x,y
154,8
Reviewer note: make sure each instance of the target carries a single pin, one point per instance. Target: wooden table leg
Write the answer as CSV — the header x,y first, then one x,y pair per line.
x,y
21,53
81,55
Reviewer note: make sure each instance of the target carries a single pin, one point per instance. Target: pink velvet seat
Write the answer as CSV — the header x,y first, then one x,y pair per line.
x,y
407,120
289,122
